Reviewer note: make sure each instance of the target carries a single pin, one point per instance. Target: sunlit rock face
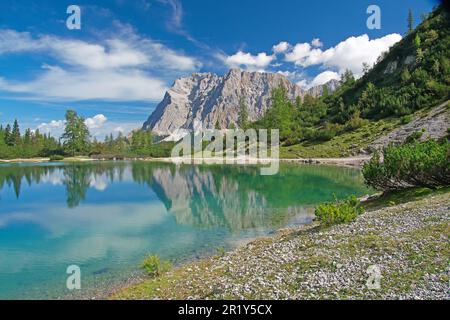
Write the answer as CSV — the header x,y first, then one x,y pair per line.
x,y
215,100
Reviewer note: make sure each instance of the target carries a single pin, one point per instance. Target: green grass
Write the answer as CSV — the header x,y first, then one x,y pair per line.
x,y
344,145
403,196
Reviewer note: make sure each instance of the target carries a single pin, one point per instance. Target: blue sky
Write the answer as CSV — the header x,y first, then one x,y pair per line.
x,y
116,69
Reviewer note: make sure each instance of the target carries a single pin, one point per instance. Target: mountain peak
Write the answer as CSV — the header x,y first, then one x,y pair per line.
x,y
215,100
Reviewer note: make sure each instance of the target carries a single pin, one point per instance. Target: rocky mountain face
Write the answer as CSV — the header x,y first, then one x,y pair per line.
x,y
433,123
215,100
330,86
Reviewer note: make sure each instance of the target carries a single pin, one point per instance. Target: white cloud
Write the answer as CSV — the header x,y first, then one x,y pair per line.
x,y
54,127
62,85
348,54
168,58
324,77
126,50
320,79
249,61
12,41
281,47
96,121
114,54
299,52
303,84
98,125
114,127
316,43
125,67
285,73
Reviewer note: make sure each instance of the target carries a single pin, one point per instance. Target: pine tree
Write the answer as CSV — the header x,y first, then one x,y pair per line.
x,y
76,134
347,78
15,134
2,136
410,21
242,115
8,135
27,137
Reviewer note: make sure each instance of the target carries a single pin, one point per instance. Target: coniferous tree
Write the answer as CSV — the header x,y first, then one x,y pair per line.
x,y
27,137
410,21
2,136
15,134
8,135
242,115
76,134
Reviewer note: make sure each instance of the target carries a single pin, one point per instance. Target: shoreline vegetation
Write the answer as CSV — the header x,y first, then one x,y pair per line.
x,y
400,234
356,161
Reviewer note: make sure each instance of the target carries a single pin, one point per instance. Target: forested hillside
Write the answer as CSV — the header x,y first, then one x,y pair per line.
x,y
413,76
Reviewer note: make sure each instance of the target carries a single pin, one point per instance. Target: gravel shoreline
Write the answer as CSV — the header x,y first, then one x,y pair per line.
x,y
356,161
408,243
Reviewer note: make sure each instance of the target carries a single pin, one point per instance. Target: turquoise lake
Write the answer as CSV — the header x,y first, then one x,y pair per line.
x,y
106,216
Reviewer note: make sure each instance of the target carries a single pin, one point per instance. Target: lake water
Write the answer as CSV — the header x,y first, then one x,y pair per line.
x,y
106,216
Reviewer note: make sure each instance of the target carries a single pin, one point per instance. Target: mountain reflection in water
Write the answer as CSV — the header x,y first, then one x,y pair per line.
x,y
236,197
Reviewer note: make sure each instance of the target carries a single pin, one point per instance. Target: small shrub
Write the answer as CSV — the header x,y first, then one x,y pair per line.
x,y
56,157
415,136
339,212
221,251
328,132
154,266
406,119
416,164
355,123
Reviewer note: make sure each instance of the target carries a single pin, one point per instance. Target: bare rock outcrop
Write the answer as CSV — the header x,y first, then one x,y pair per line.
x,y
433,123
215,100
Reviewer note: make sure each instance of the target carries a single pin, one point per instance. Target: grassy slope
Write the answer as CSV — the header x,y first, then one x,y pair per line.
x,y
344,145
349,143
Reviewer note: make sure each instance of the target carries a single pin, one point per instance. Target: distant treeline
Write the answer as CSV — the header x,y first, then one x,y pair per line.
x,y
76,140
31,144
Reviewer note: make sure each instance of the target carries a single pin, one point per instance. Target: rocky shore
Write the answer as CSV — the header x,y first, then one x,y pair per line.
x,y
407,243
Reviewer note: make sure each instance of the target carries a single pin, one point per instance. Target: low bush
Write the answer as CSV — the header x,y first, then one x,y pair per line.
x,y
355,123
154,266
415,136
416,164
339,211
406,119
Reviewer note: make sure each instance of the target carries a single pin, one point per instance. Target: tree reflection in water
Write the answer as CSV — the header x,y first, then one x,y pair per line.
x,y
235,197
